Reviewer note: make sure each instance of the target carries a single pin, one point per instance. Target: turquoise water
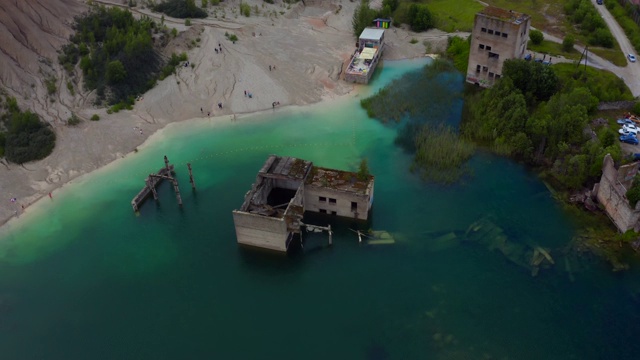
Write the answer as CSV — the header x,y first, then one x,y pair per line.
x,y
82,277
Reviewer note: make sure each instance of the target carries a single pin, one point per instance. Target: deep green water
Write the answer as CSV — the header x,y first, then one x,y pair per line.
x,y
82,277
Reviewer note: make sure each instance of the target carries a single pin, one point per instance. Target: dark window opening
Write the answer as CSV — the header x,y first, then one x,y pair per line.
x,y
504,35
493,56
485,69
334,213
490,31
481,46
488,47
322,211
491,74
323,199
332,201
497,76
478,68
483,29
354,206
497,33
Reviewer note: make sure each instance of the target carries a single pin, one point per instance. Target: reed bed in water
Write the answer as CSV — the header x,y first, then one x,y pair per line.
x,y
441,154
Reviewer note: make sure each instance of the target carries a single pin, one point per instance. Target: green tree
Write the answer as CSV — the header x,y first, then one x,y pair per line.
x,y
205,3
363,170
245,9
115,72
27,138
458,50
392,4
420,17
536,37
363,16
633,194
567,43
536,81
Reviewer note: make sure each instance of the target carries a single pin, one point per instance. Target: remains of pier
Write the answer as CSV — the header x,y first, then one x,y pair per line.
x,y
153,180
271,214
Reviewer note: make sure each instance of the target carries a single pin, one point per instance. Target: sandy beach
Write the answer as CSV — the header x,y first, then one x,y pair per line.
x,y
291,54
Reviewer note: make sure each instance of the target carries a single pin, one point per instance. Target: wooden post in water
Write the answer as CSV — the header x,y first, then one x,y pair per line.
x,y
166,163
177,190
150,184
193,184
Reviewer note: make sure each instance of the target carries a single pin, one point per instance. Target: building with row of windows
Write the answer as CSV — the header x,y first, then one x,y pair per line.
x,y
285,188
497,35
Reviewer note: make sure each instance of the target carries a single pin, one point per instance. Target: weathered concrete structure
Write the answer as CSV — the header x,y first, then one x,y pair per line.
x,y
271,214
365,59
611,191
497,35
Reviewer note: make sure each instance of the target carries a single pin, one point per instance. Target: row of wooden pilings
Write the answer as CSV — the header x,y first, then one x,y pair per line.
x,y
154,180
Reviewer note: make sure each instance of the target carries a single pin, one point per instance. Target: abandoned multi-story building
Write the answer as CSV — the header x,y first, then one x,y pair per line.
x,y
365,59
497,35
271,215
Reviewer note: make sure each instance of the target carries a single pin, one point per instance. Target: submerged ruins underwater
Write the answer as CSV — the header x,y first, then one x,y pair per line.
x,y
85,276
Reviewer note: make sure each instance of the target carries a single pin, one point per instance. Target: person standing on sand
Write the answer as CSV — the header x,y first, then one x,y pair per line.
x,y
50,197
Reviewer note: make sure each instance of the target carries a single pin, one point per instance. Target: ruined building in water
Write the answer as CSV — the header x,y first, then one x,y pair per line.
x,y
497,35
272,211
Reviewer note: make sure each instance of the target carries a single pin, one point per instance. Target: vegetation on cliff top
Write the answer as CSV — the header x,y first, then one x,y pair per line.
x,y
180,9
23,137
116,54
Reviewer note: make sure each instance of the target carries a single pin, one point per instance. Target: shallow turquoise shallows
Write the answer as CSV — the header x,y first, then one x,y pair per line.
x,y
83,277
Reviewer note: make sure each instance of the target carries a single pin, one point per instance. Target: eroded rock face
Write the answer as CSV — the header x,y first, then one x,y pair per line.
x,y
32,32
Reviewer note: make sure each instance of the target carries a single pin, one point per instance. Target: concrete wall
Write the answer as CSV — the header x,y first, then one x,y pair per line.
x,y
261,231
616,105
342,205
513,46
611,194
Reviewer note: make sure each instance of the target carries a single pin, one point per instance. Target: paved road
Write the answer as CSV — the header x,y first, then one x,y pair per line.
x,y
630,73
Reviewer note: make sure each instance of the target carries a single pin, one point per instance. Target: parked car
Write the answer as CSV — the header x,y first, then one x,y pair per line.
x,y
599,2
628,128
527,57
625,122
629,139
632,58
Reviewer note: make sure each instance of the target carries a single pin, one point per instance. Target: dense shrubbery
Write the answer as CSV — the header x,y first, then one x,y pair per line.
x,y
536,81
173,62
417,16
23,137
536,37
602,84
116,53
180,9
584,14
529,115
458,51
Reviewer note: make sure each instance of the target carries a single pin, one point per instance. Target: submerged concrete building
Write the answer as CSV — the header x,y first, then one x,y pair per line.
x,y
271,215
497,35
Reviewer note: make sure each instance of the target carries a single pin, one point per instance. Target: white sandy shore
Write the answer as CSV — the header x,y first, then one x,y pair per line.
x,y
308,46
